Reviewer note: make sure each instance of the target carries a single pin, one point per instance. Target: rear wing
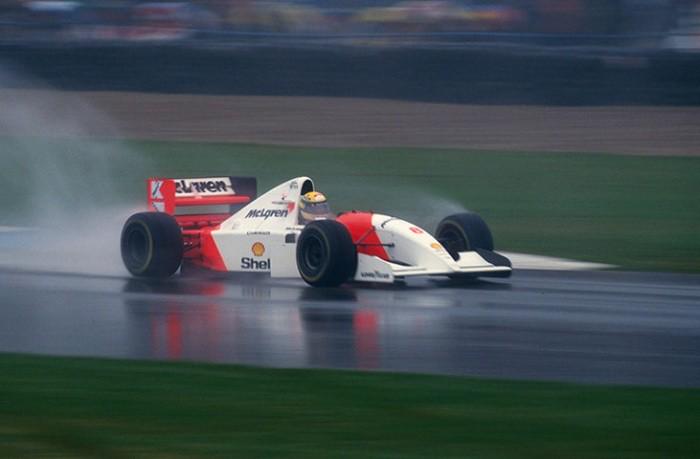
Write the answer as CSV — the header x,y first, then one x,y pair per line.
x,y
212,197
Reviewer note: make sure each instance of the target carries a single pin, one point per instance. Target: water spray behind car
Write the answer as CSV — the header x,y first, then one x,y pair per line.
x,y
416,204
61,184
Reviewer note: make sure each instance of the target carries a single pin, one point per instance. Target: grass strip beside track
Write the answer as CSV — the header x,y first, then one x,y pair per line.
x,y
110,408
636,212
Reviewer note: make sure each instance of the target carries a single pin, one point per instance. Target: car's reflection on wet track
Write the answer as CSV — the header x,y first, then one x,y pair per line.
x,y
269,333
587,327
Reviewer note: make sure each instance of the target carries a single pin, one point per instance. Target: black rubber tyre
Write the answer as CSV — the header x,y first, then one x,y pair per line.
x,y
326,255
151,245
463,232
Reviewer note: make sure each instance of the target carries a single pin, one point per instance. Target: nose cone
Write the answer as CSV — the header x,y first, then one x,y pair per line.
x,y
412,244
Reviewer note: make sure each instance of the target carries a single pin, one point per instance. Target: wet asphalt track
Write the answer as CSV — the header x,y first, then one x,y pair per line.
x,y
584,327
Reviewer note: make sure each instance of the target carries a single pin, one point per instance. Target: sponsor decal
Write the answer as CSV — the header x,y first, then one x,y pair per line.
x,y
158,189
258,233
155,189
436,246
255,265
217,185
374,275
294,185
291,206
258,249
416,230
267,213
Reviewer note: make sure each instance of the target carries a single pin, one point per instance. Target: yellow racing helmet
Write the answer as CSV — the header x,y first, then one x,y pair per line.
x,y
313,206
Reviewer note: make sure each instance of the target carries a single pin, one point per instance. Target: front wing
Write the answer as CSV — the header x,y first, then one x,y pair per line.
x,y
478,263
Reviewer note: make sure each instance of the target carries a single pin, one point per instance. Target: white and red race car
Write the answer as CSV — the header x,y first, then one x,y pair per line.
x,y
219,224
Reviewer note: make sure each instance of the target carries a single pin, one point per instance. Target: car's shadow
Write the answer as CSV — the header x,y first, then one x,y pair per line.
x,y
471,284
214,283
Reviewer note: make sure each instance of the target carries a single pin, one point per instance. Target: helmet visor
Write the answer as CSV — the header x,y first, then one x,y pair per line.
x,y
316,211
317,208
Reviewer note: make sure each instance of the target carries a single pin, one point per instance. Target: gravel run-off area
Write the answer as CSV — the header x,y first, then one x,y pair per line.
x,y
346,122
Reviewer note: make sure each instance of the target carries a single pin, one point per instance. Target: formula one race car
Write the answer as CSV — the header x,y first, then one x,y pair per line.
x,y
218,224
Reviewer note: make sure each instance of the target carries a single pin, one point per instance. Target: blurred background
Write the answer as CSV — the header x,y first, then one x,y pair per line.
x,y
492,51
633,24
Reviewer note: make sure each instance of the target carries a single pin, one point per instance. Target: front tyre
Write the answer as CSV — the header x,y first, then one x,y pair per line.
x,y
464,232
151,245
326,255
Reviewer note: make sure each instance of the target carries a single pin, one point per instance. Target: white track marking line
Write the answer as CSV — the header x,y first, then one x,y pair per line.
x,y
14,229
528,261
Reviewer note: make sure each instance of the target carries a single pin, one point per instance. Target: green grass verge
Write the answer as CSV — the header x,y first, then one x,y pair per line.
x,y
109,408
640,213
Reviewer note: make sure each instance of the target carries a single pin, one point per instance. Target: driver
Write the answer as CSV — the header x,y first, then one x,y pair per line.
x,y
314,206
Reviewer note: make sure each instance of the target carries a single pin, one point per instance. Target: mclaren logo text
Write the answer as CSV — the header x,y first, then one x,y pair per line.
x,y
266,213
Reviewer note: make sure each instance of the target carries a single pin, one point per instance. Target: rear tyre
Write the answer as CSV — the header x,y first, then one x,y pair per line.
x,y
151,245
326,255
464,232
